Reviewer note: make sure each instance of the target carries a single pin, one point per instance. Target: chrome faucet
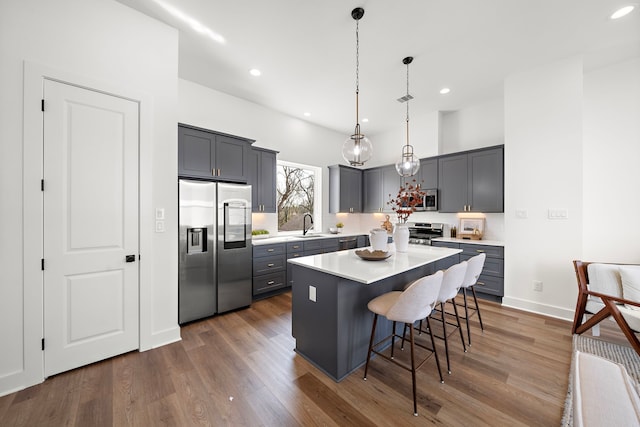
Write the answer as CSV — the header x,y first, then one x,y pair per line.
x,y
304,223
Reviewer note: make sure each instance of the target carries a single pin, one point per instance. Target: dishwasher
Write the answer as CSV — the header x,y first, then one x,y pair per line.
x,y
347,243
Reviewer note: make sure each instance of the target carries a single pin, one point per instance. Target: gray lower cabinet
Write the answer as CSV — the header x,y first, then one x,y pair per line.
x,y
472,181
272,273
490,284
207,154
262,177
345,189
269,268
379,185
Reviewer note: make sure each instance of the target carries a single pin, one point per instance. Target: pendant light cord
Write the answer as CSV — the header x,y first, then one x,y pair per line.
x,y
408,104
357,71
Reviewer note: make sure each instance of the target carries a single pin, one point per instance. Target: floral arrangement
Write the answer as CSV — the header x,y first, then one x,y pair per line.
x,y
404,204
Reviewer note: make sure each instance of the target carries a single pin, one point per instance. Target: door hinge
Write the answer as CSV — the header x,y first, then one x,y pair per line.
x,y
42,264
42,105
42,185
42,344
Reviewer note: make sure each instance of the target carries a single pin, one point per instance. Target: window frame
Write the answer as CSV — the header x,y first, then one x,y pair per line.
x,y
317,196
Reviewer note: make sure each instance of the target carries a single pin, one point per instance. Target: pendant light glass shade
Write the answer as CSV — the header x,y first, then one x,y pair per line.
x,y
408,165
357,149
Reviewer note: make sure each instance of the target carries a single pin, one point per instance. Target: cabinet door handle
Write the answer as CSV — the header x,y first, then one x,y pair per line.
x,y
270,264
479,250
270,282
480,283
270,250
213,172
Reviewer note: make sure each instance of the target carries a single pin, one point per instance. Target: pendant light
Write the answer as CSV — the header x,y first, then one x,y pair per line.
x,y
357,149
408,165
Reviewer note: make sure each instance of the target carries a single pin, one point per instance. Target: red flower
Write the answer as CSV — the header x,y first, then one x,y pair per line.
x,y
409,195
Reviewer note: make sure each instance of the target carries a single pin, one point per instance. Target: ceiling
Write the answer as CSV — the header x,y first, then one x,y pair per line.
x,y
306,50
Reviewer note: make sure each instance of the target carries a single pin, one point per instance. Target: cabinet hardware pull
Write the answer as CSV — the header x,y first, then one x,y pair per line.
x,y
219,172
270,282
479,250
213,172
270,250
296,247
480,283
270,264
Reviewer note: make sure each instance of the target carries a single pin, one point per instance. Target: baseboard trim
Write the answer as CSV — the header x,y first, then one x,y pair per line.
x,y
538,308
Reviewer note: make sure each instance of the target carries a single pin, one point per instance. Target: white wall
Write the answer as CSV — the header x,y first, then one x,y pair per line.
x,y
611,156
543,170
477,126
116,47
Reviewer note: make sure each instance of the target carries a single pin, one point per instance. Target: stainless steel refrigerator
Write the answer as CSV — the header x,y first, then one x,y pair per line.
x,y
215,248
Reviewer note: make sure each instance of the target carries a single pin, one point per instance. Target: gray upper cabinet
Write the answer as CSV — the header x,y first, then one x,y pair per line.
x,y
262,177
378,184
427,176
345,189
472,181
207,154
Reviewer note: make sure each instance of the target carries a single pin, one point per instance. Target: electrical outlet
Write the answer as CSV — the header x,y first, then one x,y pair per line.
x,y
312,293
159,226
537,285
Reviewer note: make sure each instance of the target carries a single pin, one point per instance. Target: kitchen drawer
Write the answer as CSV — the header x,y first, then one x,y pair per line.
x,y
446,245
492,266
269,264
313,252
313,245
490,285
268,250
330,245
269,282
491,251
295,247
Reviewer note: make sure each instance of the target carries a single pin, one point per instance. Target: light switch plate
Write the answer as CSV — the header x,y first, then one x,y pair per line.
x,y
312,293
159,213
558,214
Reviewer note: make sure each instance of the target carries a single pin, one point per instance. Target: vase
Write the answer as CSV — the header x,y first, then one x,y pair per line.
x,y
401,237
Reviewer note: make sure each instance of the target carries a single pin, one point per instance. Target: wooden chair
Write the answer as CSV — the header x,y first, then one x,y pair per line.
x,y
611,306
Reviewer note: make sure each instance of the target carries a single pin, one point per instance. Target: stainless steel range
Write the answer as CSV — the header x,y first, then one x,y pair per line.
x,y
421,233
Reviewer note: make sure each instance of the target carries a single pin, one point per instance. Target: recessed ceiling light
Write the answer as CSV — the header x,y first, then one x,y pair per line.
x,y
622,12
365,120
307,114
255,72
445,90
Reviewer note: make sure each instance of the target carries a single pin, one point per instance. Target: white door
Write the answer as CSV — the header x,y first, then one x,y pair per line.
x,y
90,226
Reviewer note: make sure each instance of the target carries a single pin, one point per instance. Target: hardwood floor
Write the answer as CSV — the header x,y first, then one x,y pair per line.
x,y
240,369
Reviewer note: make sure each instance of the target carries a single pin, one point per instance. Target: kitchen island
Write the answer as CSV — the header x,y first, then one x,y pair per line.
x,y
330,292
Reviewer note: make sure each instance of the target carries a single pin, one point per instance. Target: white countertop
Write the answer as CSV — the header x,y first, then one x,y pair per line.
x,y
350,266
299,238
469,241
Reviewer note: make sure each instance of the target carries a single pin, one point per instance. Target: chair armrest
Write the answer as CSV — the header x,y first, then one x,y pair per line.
x,y
615,299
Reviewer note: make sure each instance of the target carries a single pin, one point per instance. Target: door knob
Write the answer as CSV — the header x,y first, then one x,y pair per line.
x,y
130,258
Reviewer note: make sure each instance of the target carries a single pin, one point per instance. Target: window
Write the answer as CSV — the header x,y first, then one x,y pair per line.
x,y
298,192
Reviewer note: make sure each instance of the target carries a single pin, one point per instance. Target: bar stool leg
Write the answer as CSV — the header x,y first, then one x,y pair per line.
x,y
446,341
393,337
455,310
466,314
373,333
413,372
475,299
435,353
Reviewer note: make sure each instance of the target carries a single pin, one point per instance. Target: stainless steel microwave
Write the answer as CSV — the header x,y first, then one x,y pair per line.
x,y
429,201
